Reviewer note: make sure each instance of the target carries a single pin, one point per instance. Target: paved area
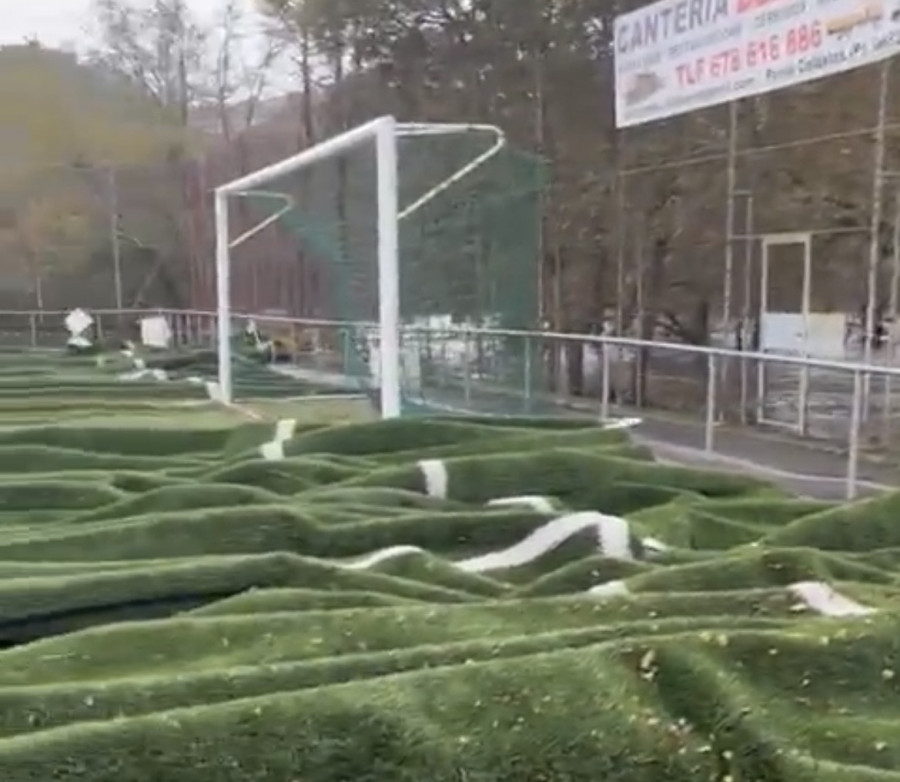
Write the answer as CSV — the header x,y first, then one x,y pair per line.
x,y
798,466
802,466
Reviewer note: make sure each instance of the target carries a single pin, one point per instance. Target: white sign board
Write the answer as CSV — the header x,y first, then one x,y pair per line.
x,y
676,56
155,332
819,334
77,322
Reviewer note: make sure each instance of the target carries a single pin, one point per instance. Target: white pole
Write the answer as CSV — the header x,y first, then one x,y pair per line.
x,y
223,295
324,149
388,266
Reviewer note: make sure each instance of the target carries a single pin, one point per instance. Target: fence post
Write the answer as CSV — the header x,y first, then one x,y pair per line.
x,y
710,426
760,391
745,388
527,378
604,382
803,401
345,350
295,344
467,367
32,325
853,444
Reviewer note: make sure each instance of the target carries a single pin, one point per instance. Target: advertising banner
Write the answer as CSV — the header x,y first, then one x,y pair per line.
x,y
676,56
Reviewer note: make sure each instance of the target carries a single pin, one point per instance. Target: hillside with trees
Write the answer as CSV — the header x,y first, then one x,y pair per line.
x,y
631,232
69,130
543,72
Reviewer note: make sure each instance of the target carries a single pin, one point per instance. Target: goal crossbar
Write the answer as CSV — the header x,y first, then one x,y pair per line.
x,y
384,132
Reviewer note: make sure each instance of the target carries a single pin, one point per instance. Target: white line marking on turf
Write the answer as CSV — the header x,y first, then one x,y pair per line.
x,y
273,450
609,589
823,599
612,539
615,536
245,411
394,552
533,501
437,481
655,546
608,529
622,423
285,428
141,374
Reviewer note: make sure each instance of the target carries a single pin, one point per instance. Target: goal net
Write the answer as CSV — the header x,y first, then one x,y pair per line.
x,y
399,238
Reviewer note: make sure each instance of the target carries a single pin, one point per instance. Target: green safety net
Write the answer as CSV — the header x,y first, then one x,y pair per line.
x,y
469,259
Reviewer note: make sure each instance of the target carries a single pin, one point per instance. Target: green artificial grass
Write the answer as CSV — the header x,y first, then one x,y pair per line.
x,y
178,603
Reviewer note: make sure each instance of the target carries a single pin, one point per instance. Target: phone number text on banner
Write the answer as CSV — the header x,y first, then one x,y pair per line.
x,y
676,56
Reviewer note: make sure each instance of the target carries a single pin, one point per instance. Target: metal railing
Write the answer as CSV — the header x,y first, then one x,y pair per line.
x,y
527,367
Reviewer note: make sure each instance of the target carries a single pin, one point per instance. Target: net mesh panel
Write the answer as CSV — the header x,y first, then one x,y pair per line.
x,y
468,257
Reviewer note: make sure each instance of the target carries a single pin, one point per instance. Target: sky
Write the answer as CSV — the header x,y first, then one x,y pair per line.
x,y
64,23
67,24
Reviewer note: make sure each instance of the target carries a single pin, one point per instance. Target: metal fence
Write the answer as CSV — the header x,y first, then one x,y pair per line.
x,y
522,372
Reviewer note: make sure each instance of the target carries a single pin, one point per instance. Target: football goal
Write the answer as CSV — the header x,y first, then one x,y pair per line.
x,y
403,230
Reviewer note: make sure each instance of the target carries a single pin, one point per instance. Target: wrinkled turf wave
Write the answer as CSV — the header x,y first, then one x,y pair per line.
x,y
508,600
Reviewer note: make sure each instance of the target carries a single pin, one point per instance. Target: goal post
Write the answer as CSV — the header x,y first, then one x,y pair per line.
x,y
383,132
401,218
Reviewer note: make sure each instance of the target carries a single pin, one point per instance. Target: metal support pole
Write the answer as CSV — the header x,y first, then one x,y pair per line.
x,y
345,351
892,312
894,293
746,315
710,427
875,226
527,373
221,332
388,267
803,394
605,383
640,354
731,185
295,344
114,243
467,367
763,307
621,237
853,445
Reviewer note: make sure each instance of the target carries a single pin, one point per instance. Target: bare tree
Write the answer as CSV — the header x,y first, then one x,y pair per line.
x,y
207,73
188,64
161,49
244,63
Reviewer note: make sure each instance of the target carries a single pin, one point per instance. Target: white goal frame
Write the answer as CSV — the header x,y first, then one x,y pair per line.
x,y
383,133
